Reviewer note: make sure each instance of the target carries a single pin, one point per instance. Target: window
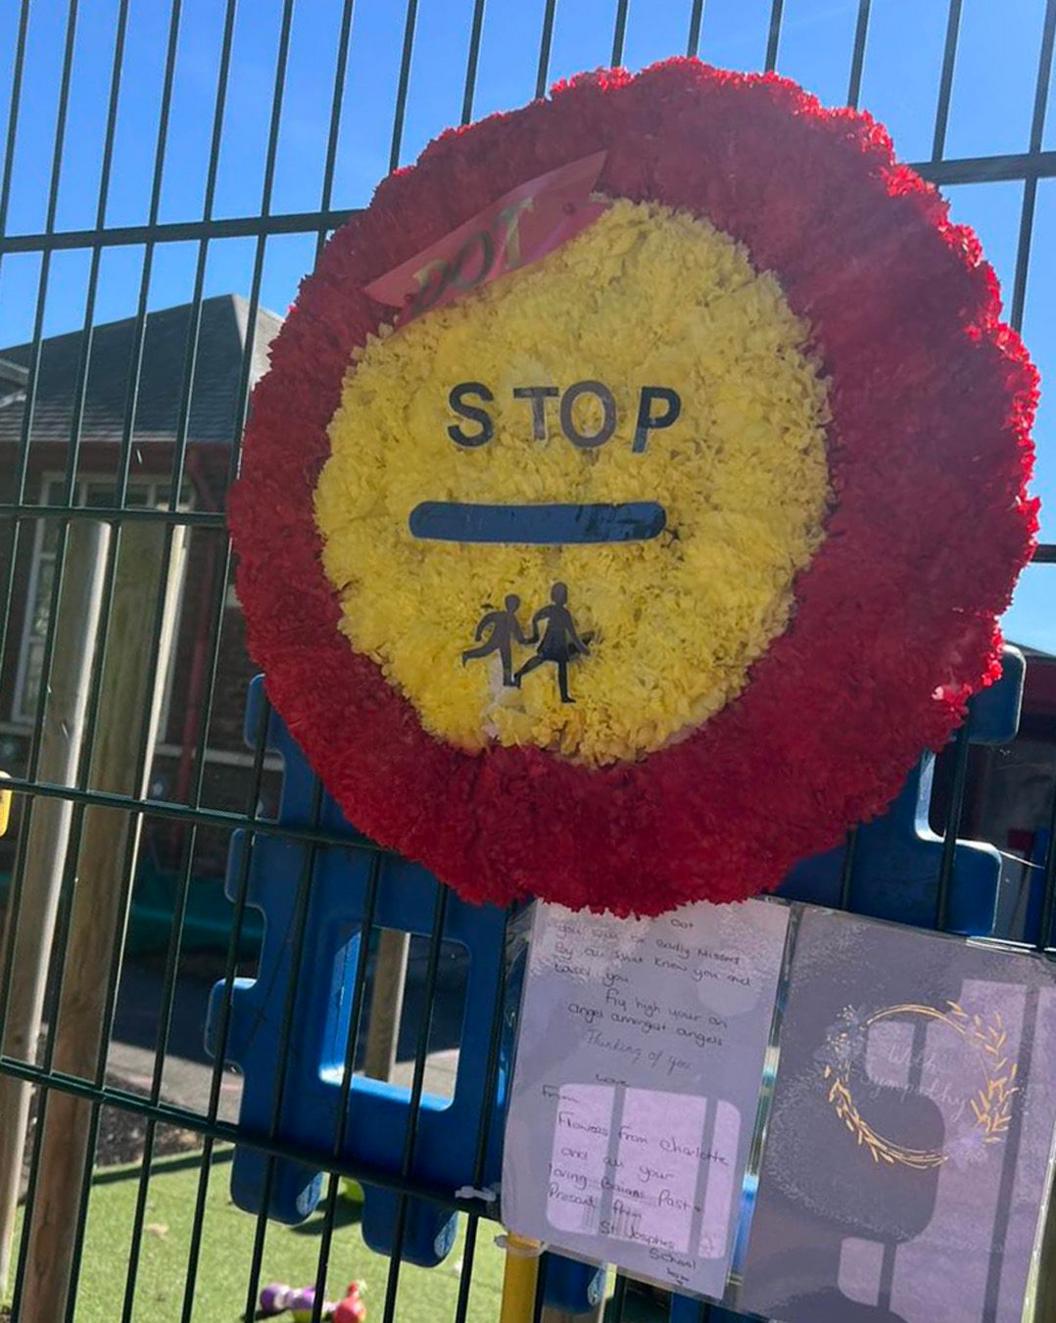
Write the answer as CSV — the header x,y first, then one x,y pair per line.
x,y
89,492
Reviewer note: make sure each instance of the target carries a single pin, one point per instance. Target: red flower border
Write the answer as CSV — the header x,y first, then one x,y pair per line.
x,y
932,399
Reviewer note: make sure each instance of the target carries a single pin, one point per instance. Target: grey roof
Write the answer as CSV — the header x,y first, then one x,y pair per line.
x,y
12,382
12,374
1039,654
213,416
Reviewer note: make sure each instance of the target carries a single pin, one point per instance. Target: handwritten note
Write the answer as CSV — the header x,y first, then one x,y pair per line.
x,y
639,1065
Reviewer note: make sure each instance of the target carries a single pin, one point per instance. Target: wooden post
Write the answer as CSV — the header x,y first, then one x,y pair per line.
x,y
386,1003
130,700
48,833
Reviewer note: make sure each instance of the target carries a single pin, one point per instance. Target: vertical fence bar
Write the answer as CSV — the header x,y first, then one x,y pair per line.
x,y
1045,1285
415,1104
224,1021
14,111
961,751
14,107
491,1074
1045,1298
334,132
949,62
36,350
1048,909
847,872
861,32
473,60
305,881
12,924
410,20
619,1298
277,100
359,988
1030,186
118,902
696,18
62,733
390,966
242,883
542,74
487,1111
218,592
773,40
619,32
297,943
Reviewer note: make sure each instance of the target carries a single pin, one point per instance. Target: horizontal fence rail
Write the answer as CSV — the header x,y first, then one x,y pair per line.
x,y
1007,167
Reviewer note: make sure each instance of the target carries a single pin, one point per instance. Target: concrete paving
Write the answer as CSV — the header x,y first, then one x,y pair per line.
x,y
187,1077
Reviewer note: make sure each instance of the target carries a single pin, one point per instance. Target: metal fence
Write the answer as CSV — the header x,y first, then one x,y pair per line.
x,y
121,554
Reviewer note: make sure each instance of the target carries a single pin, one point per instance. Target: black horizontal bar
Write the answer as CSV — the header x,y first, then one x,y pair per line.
x,y
234,227
1045,554
185,1118
961,170
989,169
108,514
167,808
538,525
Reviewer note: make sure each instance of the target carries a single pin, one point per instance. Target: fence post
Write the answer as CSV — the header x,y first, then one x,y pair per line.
x,y
48,832
386,1003
130,700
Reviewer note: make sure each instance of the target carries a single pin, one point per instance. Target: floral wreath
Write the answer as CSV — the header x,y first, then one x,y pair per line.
x,y
990,1109
907,549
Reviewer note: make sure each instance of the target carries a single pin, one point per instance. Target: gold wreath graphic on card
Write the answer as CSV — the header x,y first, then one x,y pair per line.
x,y
979,1126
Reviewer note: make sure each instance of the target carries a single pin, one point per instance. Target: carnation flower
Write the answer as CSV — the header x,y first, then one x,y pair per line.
x,y
891,622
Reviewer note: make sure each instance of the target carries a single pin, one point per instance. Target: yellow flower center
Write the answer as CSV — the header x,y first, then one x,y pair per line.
x,y
652,635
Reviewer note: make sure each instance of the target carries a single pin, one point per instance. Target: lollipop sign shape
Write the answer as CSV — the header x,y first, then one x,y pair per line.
x,y
634,491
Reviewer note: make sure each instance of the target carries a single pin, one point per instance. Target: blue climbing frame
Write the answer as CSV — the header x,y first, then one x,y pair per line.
x,y
294,1029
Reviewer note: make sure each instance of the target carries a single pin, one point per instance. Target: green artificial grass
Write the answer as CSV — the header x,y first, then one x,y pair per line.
x,y
290,1255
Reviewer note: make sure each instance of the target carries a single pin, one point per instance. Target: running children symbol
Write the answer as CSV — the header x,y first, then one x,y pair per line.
x,y
554,636
504,628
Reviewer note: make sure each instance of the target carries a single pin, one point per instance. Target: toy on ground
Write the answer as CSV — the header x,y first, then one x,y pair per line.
x,y
302,1304
351,1309
277,1298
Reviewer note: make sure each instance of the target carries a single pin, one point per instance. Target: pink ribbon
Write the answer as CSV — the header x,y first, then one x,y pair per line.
x,y
519,228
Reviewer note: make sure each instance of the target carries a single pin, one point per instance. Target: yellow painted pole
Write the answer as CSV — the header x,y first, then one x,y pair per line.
x,y
519,1279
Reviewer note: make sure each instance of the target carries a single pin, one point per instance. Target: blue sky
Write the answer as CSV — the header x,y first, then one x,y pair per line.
x,y
991,109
